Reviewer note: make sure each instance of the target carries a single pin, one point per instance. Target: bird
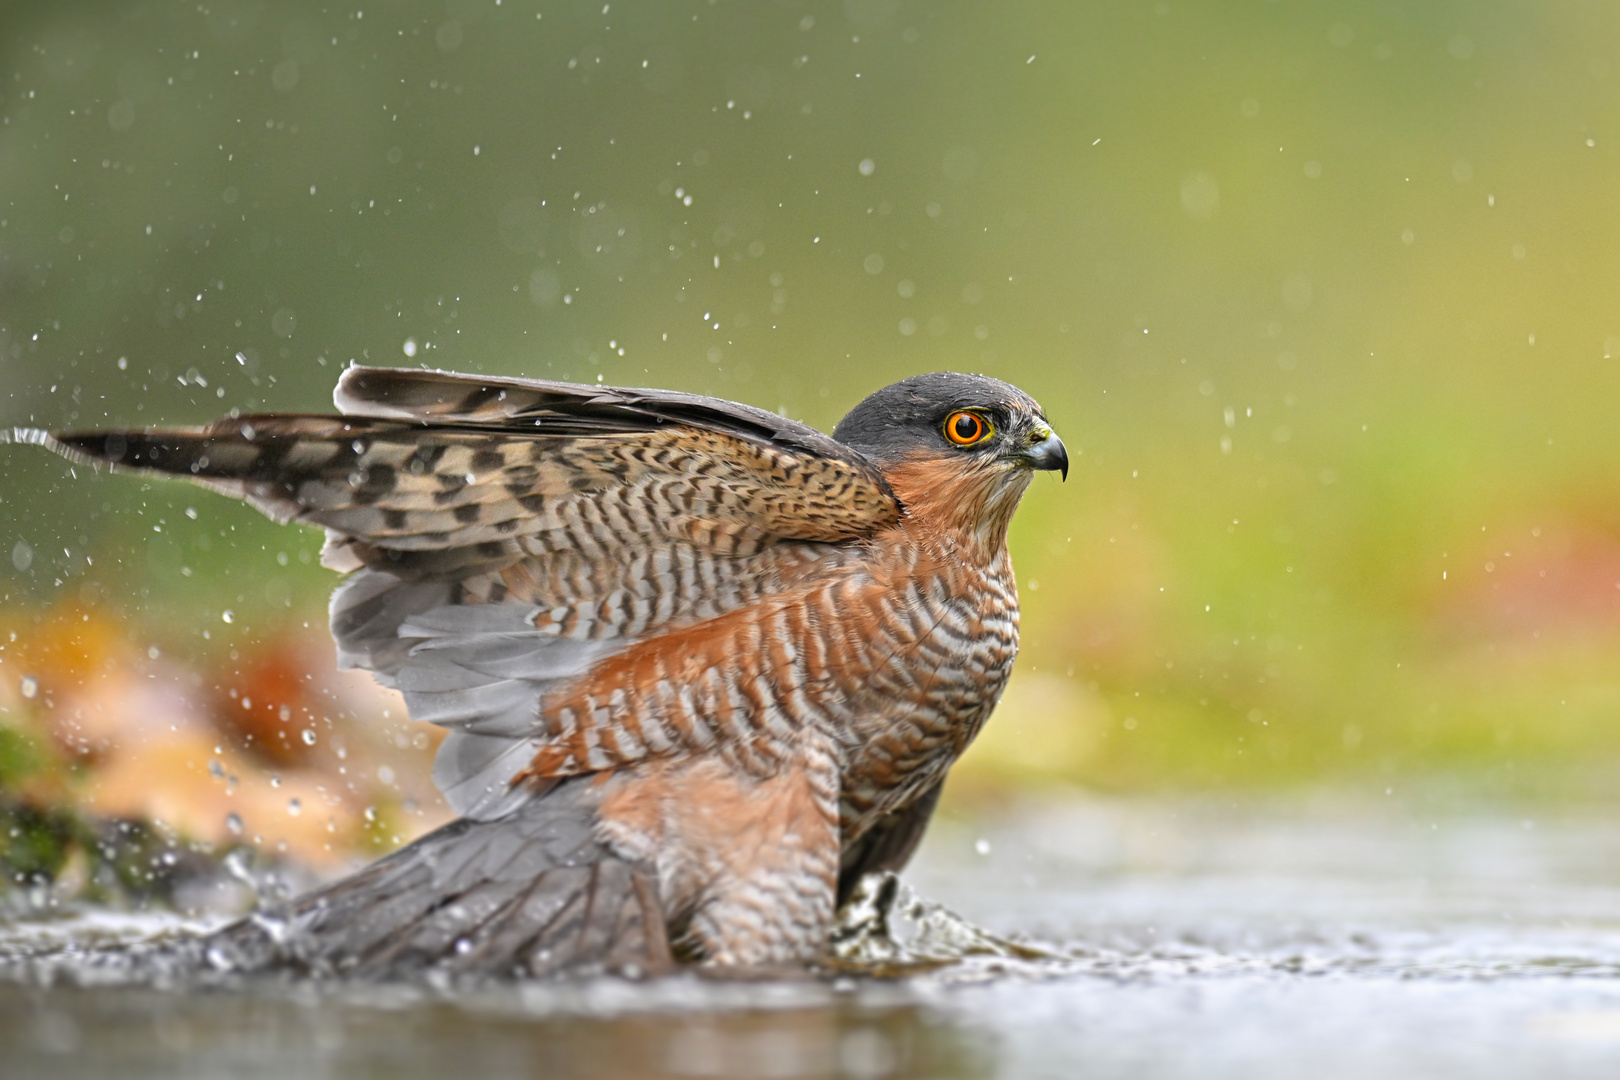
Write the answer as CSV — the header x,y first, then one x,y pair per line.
x,y
702,667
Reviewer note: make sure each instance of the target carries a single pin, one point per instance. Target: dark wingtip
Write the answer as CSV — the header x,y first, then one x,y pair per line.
x,y
110,447
161,451
93,447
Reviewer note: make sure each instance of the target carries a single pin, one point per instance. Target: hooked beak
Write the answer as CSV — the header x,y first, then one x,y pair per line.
x,y
1049,455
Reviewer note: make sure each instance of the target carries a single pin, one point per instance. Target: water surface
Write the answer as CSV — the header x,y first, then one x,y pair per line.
x,y
1343,938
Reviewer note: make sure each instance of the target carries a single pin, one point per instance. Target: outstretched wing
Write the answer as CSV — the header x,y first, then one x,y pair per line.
x,y
433,461
511,535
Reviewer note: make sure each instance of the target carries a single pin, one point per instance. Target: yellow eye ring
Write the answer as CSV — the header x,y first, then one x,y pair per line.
x,y
967,428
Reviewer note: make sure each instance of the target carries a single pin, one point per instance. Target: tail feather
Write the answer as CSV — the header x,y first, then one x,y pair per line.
x,y
532,894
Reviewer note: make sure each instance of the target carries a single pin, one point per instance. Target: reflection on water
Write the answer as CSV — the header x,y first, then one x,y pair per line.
x,y
71,1032
1095,938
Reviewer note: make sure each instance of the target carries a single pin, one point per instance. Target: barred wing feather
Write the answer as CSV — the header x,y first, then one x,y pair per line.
x,y
507,535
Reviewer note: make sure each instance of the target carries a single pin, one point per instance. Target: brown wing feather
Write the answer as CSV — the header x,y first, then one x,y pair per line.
x,y
568,408
512,535
405,486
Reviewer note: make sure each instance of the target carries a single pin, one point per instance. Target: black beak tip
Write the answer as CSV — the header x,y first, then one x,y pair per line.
x,y
1050,455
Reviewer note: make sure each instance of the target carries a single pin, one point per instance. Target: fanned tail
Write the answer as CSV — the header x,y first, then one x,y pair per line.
x,y
529,895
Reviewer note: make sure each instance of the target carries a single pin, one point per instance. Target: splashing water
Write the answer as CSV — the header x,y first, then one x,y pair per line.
x,y
1270,943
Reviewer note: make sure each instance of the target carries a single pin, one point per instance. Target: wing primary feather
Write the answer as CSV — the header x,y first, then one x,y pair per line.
x,y
510,486
416,393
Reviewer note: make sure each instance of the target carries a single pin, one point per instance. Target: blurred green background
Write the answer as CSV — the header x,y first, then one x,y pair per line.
x,y
1322,296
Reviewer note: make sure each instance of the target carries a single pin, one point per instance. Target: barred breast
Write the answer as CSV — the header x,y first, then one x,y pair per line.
x,y
937,657
896,653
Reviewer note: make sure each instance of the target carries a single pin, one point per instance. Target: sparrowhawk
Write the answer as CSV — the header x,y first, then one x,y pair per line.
x,y
702,666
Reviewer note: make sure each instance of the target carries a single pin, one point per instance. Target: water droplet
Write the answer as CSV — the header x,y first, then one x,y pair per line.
x,y
867,166
294,807
236,862
982,846
233,822
309,736
463,946
284,322
409,347
228,616
30,686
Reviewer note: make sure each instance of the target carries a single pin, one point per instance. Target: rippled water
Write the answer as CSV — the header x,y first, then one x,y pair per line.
x,y
1149,939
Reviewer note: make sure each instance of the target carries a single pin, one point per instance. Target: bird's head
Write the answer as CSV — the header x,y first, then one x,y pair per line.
x,y
959,449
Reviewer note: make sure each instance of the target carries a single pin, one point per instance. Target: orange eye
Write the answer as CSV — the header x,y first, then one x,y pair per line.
x,y
966,428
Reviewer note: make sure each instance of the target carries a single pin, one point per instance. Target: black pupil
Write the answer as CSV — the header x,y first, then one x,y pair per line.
x,y
967,427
